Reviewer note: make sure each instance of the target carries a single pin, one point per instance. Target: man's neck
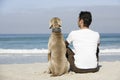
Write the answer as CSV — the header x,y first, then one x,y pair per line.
x,y
84,27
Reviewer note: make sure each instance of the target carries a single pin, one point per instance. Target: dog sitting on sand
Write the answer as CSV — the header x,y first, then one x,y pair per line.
x,y
57,60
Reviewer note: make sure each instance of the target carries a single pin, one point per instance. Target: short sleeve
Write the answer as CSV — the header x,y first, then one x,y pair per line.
x,y
69,38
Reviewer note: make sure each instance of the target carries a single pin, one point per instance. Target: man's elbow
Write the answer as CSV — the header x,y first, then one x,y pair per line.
x,y
66,43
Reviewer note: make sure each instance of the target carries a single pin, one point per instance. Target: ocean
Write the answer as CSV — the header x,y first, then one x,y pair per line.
x,y
30,45
109,42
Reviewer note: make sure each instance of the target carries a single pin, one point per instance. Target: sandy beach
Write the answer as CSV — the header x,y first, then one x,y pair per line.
x,y
35,71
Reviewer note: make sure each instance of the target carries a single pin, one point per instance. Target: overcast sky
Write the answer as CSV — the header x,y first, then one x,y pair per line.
x,y
32,16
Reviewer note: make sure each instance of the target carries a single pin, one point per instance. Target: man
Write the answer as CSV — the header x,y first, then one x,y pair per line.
x,y
85,43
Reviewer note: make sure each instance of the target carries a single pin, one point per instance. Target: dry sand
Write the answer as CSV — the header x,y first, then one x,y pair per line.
x,y
108,71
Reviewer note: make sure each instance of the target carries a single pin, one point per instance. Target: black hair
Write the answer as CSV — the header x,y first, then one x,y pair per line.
x,y
86,17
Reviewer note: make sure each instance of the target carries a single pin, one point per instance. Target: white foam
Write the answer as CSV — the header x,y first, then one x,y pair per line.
x,y
110,51
45,51
23,51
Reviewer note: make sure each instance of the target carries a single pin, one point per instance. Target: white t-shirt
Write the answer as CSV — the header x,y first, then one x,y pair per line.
x,y
85,44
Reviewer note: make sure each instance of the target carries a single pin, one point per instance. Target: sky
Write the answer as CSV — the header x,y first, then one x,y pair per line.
x,y
33,16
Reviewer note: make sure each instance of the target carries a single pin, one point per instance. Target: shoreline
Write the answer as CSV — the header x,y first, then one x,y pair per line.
x,y
36,71
42,58
45,51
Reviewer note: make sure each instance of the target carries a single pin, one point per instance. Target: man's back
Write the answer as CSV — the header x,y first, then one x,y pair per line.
x,y
85,44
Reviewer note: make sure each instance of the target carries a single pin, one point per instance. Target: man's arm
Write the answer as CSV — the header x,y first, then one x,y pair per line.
x,y
97,53
66,43
98,44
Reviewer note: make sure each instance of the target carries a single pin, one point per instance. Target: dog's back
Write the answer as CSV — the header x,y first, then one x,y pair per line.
x,y
57,44
58,63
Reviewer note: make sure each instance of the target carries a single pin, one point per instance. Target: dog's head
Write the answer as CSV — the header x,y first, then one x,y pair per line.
x,y
55,23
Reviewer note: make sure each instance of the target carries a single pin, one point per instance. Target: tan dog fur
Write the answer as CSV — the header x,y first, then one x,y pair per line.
x,y
57,60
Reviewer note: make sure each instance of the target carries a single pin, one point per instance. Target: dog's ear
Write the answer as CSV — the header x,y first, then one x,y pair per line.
x,y
60,26
50,26
60,23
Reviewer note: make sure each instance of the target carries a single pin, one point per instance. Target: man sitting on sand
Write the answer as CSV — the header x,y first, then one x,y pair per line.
x,y
85,43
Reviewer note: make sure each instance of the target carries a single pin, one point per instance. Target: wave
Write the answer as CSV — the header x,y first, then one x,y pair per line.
x,y
45,51
23,51
110,50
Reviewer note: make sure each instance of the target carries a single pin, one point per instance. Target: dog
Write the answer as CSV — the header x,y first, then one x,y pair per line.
x,y
58,63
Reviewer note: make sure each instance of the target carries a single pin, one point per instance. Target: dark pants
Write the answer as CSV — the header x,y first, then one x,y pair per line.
x,y
70,57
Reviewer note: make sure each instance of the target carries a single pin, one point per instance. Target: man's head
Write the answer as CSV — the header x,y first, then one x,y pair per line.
x,y
85,19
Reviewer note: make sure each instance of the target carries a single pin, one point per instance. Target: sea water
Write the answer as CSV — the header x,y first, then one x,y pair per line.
x,y
32,45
